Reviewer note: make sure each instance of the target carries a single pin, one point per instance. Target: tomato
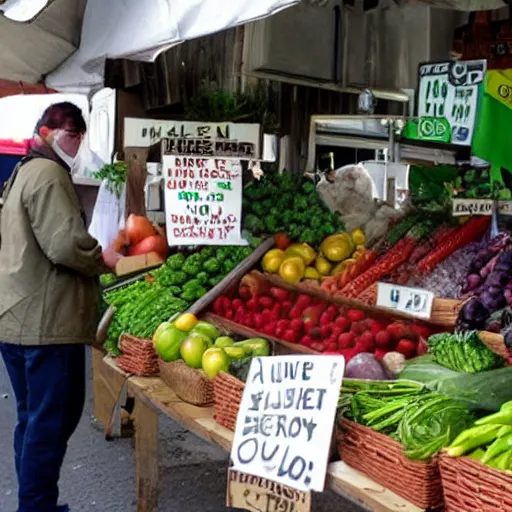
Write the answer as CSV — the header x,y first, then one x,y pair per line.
x,y
138,228
154,243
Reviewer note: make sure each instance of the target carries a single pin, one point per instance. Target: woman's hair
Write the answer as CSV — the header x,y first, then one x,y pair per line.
x,y
62,115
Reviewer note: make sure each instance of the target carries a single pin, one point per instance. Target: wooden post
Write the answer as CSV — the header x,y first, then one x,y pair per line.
x,y
146,456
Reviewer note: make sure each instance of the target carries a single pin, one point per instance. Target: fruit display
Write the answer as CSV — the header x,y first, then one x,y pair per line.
x,y
202,347
298,261
314,323
142,306
140,237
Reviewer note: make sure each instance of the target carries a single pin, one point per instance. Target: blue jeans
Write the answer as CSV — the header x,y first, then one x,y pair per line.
x,y
49,386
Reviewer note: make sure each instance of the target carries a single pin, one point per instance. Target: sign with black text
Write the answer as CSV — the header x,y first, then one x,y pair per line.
x,y
195,138
286,418
257,494
413,301
450,90
470,207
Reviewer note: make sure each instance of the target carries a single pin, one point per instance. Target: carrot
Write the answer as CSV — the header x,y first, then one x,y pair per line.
x,y
472,230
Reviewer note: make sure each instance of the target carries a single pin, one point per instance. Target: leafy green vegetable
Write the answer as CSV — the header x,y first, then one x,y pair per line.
x,y
115,174
463,351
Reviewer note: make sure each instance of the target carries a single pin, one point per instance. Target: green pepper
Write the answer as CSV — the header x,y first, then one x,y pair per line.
x,y
212,266
499,446
503,417
202,277
175,262
477,454
471,439
192,284
256,347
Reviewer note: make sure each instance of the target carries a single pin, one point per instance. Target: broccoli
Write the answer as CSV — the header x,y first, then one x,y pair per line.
x,y
271,224
223,253
258,209
228,266
189,295
300,203
309,188
253,224
192,284
200,291
175,262
214,281
212,266
176,278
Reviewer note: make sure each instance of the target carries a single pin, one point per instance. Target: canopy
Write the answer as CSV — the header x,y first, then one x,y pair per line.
x,y
32,50
146,29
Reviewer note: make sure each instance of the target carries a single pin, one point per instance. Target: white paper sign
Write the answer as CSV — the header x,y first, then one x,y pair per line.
x,y
140,132
203,201
286,419
470,207
451,90
413,301
505,207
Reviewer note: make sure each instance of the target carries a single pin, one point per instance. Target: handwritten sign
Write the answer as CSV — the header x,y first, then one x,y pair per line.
x,y
195,138
203,201
257,494
450,90
435,129
505,207
470,207
286,418
413,301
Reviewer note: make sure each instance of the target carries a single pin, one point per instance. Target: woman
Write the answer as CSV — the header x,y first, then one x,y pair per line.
x,y
49,293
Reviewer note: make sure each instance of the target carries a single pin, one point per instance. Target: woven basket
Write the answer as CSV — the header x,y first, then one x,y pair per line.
x,y
191,386
382,459
227,392
470,486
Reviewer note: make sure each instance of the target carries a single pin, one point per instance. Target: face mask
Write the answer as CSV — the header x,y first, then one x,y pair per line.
x,y
68,147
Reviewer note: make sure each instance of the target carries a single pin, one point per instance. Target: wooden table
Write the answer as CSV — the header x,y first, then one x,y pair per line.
x,y
152,397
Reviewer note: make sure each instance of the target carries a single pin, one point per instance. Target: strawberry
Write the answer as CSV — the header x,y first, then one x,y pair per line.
x,y
315,333
336,332
326,331
365,342
276,312
279,294
226,304
295,313
319,347
422,331
228,313
407,348
325,319
249,320
245,293
291,336
296,324
357,328
239,315
252,305
218,307
306,341
355,315
332,311
379,353
286,306
376,327
283,324
346,340
258,321
343,323
331,347
266,302
269,329
303,301
268,316
383,340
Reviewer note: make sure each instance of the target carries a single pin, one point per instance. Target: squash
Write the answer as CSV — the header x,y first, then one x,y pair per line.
x,y
338,247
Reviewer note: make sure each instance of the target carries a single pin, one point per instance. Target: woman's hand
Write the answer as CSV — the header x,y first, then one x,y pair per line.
x,y
111,257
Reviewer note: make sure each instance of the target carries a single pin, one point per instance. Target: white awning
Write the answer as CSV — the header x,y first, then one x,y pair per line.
x,y
146,29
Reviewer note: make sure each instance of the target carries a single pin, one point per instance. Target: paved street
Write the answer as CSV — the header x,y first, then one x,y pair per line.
x,y
100,476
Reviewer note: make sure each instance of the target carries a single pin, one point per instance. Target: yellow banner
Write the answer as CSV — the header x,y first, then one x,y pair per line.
x,y
499,86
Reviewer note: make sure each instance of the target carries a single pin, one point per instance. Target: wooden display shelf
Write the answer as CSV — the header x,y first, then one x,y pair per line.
x,y
152,396
444,311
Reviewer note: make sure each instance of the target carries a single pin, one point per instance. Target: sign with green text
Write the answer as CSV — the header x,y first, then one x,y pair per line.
x,y
450,91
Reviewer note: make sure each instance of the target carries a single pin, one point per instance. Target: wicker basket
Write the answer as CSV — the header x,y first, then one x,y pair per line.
x,y
382,459
191,386
470,486
227,392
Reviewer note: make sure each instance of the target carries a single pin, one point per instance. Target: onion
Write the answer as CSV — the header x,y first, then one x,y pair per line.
x,y
154,243
138,228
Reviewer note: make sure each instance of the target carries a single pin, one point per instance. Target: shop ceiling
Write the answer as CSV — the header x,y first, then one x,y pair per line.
x,y
49,42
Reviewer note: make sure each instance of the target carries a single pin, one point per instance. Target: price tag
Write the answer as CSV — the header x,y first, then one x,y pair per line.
x,y
284,427
257,494
413,301
470,207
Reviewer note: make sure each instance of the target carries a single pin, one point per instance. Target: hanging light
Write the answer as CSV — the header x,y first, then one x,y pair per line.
x,y
23,11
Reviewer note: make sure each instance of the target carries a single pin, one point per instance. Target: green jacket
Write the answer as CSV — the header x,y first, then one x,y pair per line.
x,y
49,264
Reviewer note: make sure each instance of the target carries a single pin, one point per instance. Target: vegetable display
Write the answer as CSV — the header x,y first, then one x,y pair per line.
x,y
202,347
489,440
463,352
279,203
142,306
423,422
